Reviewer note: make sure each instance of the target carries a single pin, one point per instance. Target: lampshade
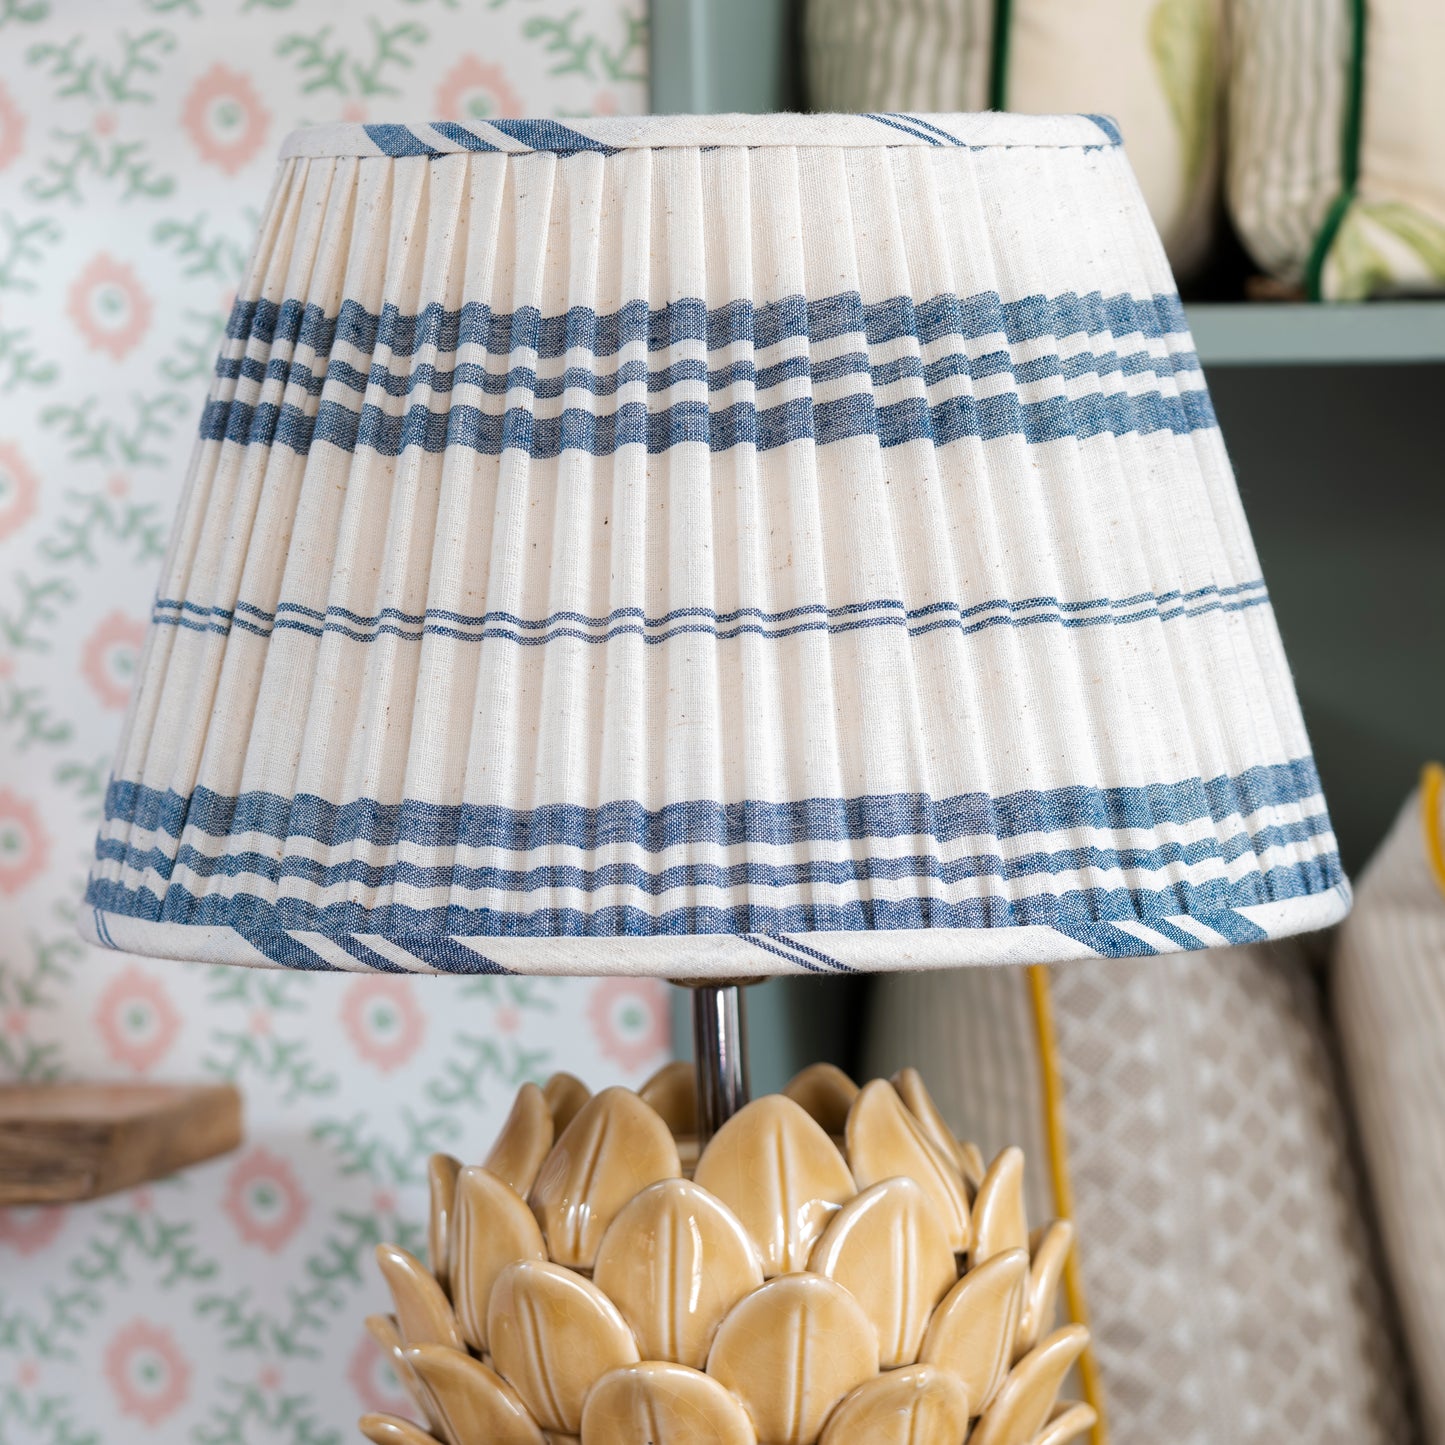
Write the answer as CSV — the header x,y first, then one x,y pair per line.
x,y
709,547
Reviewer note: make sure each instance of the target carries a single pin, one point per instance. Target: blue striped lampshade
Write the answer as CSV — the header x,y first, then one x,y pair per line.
x,y
709,546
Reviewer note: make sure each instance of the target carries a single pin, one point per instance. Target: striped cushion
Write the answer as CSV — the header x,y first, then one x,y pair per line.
x,y
1336,174
1232,1287
1389,1003
1153,65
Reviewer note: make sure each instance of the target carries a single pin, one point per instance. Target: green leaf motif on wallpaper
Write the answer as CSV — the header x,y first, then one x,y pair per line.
x,y
94,437
23,243
23,12
80,75
39,605
258,1417
83,154
222,257
587,54
331,66
20,364
27,1419
1183,42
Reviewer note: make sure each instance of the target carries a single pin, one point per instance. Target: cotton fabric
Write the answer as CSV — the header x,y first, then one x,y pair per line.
x,y
1234,1287
1336,174
1155,66
709,546
1389,1010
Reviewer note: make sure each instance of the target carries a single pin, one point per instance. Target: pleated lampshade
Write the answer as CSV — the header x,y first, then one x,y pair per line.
x,y
709,547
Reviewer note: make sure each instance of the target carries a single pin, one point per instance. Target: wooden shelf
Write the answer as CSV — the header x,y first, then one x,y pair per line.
x,y
1273,333
60,1143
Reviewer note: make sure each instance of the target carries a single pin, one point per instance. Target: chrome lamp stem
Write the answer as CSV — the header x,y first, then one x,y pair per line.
x,y
720,1054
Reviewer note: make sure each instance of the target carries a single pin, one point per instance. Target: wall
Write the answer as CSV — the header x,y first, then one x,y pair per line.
x,y
224,1307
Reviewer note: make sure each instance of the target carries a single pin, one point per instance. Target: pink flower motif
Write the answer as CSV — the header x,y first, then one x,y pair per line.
x,y
630,1021
104,123
109,658
28,1231
28,1374
136,1020
507,1019
382,1020
264,1200
353,112
19,489
224,116
269,1378
12,129
24,844
472,90
374,1380
110,306
16,1021
149,1375
604,103
117,485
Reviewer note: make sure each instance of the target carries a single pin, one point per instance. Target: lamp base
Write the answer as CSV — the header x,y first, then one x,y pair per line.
x,y
831,1266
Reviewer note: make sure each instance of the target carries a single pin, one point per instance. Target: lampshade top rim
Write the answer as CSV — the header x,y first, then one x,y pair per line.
x,y
606,135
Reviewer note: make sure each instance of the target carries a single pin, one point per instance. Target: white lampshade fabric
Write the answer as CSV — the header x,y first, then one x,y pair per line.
x,y
709,546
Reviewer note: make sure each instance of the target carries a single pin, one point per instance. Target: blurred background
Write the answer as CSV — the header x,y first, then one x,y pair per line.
x,y
1307,228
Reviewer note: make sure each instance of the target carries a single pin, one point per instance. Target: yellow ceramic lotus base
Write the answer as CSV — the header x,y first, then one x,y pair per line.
x,y
834,1267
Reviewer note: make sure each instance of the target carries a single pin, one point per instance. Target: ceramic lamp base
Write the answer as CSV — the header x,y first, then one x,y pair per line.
x,y
833,1266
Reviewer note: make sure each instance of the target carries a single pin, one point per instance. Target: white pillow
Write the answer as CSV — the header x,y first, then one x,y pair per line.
x,y
1234,1295
1153,65
1389,1007
1336,172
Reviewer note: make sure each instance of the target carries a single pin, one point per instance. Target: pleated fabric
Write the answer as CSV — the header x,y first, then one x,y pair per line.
x,y
1235,1286
1389,1009
709,546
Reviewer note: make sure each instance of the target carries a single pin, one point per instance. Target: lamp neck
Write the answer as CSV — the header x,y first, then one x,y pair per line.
x,y
720,1055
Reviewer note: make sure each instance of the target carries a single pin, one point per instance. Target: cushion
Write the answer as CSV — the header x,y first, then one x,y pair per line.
x,y
1336,173
1389,1006
1153,65
1233,1291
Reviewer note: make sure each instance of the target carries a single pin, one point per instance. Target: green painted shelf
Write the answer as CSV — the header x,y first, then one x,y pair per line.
x,y
1272,333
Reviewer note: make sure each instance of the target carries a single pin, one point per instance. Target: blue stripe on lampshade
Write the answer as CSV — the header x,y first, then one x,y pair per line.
x,y
709,547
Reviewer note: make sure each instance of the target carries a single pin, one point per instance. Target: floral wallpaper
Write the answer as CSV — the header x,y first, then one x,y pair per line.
x,y
223,1307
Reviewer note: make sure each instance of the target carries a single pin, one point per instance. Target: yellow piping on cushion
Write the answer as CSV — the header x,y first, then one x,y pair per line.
x,y
1058,1145
1432,787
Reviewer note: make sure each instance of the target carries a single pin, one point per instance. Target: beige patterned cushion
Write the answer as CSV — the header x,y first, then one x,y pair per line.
x,y
1224,1255
1389,1004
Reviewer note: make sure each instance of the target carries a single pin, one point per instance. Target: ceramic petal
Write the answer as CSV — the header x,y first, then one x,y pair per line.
x,y
888,1249
423,1316
382,1328
663,1404
612,1150
920,1405
791,1351
476,1404
441,1173
914,1093
492,1229
825,1093
972,1332
1070,1419
1025,1401
524,1141
553,1335
565,1095
672,1092
776,1169
999,1221
1049,1252
885,1141
392,1430
674,1262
